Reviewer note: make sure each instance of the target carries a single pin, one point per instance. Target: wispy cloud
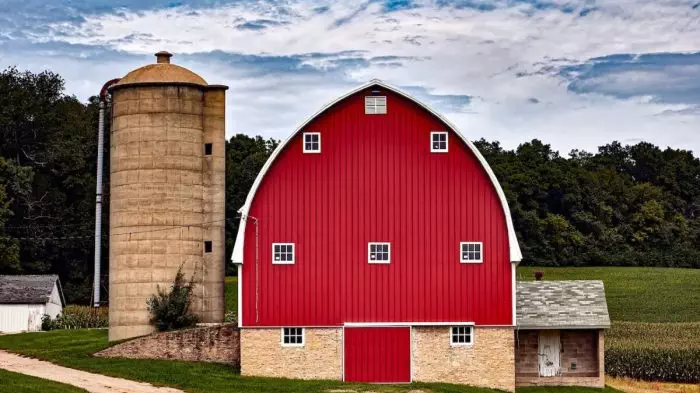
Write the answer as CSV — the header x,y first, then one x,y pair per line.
x,y
577,73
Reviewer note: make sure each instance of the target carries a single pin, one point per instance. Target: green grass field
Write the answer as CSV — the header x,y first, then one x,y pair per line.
x,y
638,294
73,348
20,383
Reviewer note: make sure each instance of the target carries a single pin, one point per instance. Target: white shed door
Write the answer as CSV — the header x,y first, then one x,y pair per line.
x,y
550,347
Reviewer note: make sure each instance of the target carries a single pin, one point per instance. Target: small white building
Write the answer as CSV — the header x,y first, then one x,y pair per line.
x,y
25,299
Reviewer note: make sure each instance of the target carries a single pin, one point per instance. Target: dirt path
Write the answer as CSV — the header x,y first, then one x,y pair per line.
x,y
94,383
632,386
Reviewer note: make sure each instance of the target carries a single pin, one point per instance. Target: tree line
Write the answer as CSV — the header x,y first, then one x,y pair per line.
x,y
623,205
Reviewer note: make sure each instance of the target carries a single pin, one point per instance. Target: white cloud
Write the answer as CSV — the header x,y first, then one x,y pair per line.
x,y
462,51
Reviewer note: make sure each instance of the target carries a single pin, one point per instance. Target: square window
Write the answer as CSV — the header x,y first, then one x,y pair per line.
x,y
470,252
293,337
208,147
461,335
312,142
375,105
379,253
283,253
207,246
438,142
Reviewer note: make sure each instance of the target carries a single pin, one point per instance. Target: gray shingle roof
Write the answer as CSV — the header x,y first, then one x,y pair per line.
x,y
561,304
32,289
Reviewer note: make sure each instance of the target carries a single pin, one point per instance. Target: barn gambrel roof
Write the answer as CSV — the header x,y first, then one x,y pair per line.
x,y
28,289
515,253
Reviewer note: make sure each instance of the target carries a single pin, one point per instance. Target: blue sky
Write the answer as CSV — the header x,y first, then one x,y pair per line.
x,y
576,74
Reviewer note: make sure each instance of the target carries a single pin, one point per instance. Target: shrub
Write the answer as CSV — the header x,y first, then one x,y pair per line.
x,y
170,309
77,317
654,351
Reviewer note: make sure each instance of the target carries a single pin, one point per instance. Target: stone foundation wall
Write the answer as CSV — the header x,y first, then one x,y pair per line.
x,y
216,344
321,357
489,362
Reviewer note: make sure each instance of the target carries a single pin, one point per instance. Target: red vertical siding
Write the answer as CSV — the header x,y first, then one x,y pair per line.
x,y
377,354
376,180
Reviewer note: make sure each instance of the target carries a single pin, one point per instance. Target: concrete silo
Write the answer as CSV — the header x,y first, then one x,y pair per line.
x,y
166,192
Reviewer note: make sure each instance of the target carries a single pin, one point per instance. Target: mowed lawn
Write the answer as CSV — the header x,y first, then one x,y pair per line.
x,y
637,294
20,383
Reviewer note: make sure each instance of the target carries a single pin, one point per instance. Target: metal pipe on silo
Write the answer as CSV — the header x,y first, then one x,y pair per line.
x,y
98,192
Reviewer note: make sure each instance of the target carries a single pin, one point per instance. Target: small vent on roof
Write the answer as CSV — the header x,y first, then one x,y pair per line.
x,y
375,105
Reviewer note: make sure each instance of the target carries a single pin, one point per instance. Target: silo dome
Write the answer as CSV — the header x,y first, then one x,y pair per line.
x,y
162,72
167,175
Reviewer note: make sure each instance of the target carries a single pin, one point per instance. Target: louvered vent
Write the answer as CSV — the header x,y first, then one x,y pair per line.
x,y
375,105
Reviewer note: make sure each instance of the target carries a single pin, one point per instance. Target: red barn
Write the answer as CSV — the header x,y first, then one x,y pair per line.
x,y
376,245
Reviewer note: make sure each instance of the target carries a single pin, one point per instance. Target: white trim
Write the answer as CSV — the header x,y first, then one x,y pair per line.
x,y
303,142
239,317
375,261
410,351
294,252
471,337
513,268
447,142
461,252
387,324
404,324
514,247
303,337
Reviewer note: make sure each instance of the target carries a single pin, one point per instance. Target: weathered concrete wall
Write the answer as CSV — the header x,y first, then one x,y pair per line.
x,y
166,199
321,357
583,347
216,344
489,362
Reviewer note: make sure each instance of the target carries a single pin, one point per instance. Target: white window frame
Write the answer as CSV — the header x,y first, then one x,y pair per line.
x,y
304,142
447,144
481,253
294,252
372,108
303,337
369,252
453,335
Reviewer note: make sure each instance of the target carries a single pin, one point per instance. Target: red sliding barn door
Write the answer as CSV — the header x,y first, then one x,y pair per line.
x,y
378,354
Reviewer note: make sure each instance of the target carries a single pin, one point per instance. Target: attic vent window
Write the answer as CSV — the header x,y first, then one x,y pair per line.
x,y
312,142
471,252
379,252
438,142
375,105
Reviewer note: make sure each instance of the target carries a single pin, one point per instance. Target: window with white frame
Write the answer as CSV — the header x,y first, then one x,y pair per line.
x,y
283,253
292,337
375,105
438,142
471,252
379,253
462,335
312,142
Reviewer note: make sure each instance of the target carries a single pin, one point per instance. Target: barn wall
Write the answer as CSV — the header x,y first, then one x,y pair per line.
x,y
16,318
54,307
376,180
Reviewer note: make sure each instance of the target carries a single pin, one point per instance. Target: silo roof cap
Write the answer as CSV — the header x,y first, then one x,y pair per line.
x,y
161,73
